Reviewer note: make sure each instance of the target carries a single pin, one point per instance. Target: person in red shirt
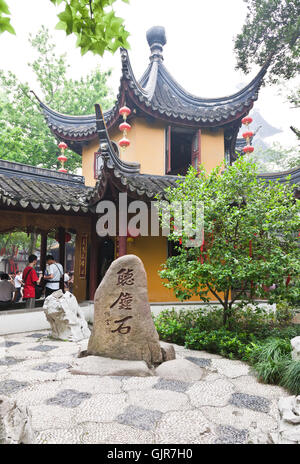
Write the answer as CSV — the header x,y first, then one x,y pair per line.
x,y
30,279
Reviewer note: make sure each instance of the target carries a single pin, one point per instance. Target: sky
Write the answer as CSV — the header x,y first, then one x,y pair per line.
x,y
199,50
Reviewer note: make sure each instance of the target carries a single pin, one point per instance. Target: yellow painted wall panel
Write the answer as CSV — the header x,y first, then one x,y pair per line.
x,y
212,148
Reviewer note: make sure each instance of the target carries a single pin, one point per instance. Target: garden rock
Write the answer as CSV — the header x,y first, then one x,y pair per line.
x,y
65,317
295,342
289,426
15,423
168,351
180,369
123,326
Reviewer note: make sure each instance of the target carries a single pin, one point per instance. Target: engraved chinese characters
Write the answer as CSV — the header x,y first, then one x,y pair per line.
x,y
123,326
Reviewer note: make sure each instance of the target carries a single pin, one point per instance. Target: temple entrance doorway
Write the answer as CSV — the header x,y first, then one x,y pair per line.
x,y
106,255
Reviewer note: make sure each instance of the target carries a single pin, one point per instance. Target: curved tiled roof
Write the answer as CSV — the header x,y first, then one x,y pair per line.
x,y
158,94
37,188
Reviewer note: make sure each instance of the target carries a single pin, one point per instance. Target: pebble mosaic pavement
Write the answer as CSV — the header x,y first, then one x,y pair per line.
x,y
227,406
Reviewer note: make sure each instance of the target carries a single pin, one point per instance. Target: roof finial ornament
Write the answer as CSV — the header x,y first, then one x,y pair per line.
x,y
156,38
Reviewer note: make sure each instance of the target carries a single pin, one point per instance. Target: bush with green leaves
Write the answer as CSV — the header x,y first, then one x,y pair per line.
x,y
250,237
256,336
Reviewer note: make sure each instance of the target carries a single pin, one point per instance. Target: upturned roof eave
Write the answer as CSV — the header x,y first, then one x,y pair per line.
x,y
81,129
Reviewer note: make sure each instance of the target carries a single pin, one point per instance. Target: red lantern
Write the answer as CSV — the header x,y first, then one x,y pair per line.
x,y
124,142
248,135
248,149
62,146
62,158
67,237
124,126
124,111
63,170
247,120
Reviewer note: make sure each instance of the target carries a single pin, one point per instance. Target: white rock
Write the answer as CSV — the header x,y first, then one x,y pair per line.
x,y
295,342
289,426
15,423
99,365
180,369
65,317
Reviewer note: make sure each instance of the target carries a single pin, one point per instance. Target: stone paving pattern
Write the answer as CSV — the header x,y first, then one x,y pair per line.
x,y
226,406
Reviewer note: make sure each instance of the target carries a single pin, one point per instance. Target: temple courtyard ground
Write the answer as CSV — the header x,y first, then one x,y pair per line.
x,y
228,405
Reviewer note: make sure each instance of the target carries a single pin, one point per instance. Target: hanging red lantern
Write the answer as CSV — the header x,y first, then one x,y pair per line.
x,y
67,237
62,146
62,158
247,120
124,126
124,142
248,134
248,149
125,112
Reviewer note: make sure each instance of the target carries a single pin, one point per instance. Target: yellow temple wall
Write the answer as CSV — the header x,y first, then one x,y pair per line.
x,y
212,148
147,145
153,251
88,157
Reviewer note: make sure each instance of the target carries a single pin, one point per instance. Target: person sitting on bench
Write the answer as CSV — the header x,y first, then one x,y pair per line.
x,y
7,290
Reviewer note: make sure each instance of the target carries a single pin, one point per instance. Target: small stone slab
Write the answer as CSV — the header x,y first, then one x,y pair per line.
x,y
68,398
43,348
141,418
8,344
99,365
228,434
180,369
173,385
201,362
11,386
256,403
9,361
36,335
52,367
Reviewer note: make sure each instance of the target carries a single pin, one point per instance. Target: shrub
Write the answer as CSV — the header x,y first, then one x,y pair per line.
x,y
284,312
222,341
291,377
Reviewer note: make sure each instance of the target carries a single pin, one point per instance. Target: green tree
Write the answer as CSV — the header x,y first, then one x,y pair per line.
x,y
93,22
24,134
250,238
271,30
275,158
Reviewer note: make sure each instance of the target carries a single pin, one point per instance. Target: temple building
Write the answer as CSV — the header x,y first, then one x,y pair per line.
x,y
171,129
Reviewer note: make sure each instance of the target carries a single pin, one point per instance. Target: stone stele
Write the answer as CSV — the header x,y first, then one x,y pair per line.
x,y
65,317
123,326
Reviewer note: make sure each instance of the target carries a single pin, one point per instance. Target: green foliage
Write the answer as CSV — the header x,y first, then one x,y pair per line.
x,y
258,339
94,23
291,377
238,208
271,30
275,158
24,134
5,24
